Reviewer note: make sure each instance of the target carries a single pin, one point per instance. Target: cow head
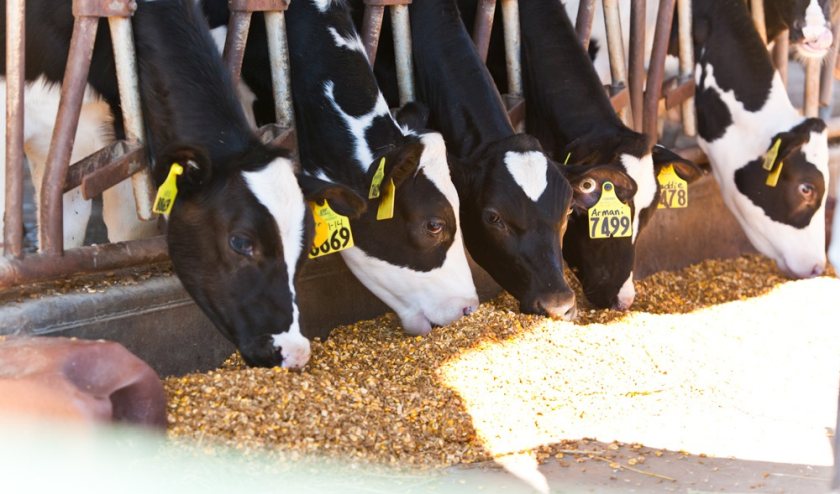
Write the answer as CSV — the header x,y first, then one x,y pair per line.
x,y
237,235
414,261
514,210
809,24
604,266
786,221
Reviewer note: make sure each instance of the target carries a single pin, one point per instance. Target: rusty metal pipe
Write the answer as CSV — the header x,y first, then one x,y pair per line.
x,y
126,68
827,75
513,40
88,259
615,49
812,88
50,226
484,14
237,36
689,119
402,50
583,23
15,81
781,47
371,29
636,81
656,71
278,48
757,8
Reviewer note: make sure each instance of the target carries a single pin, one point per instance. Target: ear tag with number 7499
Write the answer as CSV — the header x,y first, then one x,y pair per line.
x,y
332,231
673,191
609,217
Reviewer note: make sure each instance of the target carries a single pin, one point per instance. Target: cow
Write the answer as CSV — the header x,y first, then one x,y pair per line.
x,y
834,247
238,228
514,200
569,112
414,261
770,162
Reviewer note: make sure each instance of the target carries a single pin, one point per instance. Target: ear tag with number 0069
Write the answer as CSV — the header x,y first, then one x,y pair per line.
x,y
609,217
673,191
332,231
168,190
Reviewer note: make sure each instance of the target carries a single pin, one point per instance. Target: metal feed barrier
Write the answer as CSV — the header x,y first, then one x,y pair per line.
x,y
640,108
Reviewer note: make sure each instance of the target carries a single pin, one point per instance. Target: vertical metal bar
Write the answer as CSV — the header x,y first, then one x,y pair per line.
x,y
583,23
636,80
510,18
781,47
371,28
15,80
615,48
278,49
827,75
686,63
402,49
484,14
812,88
237,36
656,72
126,68
757,7
50,225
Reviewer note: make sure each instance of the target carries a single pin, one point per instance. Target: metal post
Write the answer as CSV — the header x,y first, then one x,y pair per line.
x,y
812,88
371,28
484,14
827,76
686,64
636,80
583,23
278,48
402,49
757,7
126,68
656,72
237,35
781,47
50,225
510,18
615,48
15,80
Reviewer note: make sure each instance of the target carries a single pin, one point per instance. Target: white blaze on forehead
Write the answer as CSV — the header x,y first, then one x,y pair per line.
x,y
814,17
276,188
529,170
352,42
358,125
323,5
641,170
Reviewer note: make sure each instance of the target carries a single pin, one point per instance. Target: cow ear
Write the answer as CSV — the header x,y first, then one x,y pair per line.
x,y
197,170
587,183
343,200
399,164
785,144
413,116
684,168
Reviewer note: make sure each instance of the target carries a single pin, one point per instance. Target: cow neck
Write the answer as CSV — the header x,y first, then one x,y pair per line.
x,y
565,98
451,79
341,115
186,93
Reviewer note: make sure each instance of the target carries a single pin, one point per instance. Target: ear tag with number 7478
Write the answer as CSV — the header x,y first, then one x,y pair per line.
x,y
609,217
673,191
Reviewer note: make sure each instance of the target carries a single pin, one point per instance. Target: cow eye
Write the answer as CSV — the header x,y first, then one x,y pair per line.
x,y
493,218
242,245
587,185
807,190
435,226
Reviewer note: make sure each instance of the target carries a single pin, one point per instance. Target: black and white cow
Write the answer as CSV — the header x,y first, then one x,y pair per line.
x,y
415,261
514,200
569,112
746,121
809,22
239,226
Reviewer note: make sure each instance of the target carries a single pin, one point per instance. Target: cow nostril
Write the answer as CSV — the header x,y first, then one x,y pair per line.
x,y
571,313
818,270
469,309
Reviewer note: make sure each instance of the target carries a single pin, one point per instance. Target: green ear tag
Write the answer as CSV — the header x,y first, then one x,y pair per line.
x,y
378,177
168,190
609,217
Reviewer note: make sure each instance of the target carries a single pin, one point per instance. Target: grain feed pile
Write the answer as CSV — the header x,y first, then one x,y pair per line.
x,y
710,359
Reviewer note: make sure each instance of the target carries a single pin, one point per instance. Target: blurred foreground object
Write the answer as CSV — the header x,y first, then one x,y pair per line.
x,y
78,380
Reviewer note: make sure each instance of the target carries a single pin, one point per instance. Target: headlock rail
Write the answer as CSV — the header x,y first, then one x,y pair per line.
x,y
639,107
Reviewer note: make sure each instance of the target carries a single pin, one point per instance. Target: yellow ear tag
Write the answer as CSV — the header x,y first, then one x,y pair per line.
x,y
770,157
332,231
673,191
568,156
376,183
609,217
168,190
773,177
386,203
